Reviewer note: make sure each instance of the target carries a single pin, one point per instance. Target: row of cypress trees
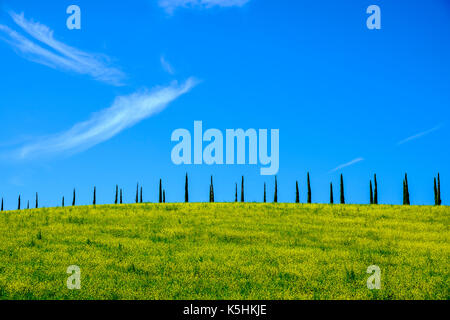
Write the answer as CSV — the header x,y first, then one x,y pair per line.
x,y
297,192
373,193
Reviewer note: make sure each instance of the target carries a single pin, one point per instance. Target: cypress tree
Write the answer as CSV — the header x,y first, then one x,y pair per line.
x,y
94,202
235,195
120,196
406,191
74,197
439,190
63,201
141,195
435,193
2,204
18,205
37,202
242,190
331,193
28,204
342,190
164,196
297,193
371,193
275,197
137,193
375,195
265,192
117,195
160,191
309,188
211,191
186,189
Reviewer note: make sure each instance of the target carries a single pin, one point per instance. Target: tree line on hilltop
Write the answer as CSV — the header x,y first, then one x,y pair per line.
x,y
373,193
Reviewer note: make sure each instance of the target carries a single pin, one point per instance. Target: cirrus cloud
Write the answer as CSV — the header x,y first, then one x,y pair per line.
x,y
125,112
42,47
347,164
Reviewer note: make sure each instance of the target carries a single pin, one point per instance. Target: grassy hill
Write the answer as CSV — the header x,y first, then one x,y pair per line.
x,y
226,251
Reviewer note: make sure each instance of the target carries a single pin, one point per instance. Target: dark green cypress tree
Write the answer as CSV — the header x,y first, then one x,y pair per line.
x,y
28,204
37,201
331,193
18,205
235,195
116,199
186,190
371,193
137,193
439,190
160,191
435,193
375,194
242,190
164,196
62,202
121,195
342,190
212,190
265,193
74,197
309,188
141,195
406,191
94,201
275,196
2,204
297,193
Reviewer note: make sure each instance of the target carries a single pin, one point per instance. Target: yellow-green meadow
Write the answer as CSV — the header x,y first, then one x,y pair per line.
x,y
226,251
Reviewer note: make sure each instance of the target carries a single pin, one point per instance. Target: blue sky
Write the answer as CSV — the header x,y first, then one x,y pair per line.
x,y
345,99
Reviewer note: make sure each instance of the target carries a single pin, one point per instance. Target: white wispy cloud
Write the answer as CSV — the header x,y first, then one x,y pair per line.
x,y
166,65
354,161
125,112
419,135
57,55
171,5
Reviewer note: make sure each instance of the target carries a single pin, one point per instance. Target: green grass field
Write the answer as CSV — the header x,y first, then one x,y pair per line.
x,y
226,251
